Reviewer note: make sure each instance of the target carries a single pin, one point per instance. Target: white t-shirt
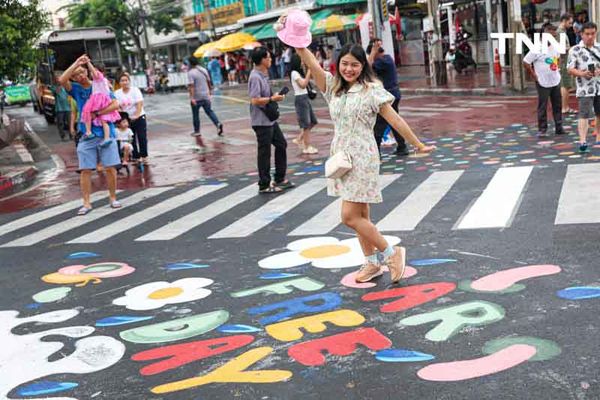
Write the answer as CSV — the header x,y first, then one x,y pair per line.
x,y
546,66
297,89
124,135
128,100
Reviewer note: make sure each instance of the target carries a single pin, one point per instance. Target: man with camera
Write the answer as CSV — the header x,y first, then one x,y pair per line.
x,y
584,65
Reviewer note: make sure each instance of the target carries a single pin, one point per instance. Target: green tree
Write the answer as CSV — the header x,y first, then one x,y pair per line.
x,y
21,24
127,20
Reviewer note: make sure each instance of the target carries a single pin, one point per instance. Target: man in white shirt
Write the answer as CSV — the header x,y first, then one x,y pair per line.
x,y
544,68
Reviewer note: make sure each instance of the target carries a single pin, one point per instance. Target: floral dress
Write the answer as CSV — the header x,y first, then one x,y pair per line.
x,y
354,114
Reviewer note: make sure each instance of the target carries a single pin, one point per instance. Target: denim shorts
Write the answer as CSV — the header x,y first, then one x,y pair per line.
x,y
304,112
589,107
89,153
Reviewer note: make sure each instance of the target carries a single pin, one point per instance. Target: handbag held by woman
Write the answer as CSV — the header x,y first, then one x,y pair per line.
x,y
338,165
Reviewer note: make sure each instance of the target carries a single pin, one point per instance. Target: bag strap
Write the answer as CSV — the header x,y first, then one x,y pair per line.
x,y
593,54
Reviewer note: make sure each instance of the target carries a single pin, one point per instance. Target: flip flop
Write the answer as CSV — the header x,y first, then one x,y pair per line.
x,y
84,210
115,204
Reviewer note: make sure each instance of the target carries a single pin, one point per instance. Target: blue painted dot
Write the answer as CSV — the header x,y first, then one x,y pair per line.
x,y
45,387
82,254
33,306
431,261
180,266
120,320
579,292
237,329
277,275
402,355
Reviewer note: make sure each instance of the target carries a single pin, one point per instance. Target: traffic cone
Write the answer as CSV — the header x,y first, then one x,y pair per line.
x,y
497,66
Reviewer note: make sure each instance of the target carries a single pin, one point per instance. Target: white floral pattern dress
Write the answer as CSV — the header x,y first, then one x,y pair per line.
x,y
354,114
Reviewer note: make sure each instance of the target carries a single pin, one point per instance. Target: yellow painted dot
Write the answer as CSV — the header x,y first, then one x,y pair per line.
x,y
327,250
165,293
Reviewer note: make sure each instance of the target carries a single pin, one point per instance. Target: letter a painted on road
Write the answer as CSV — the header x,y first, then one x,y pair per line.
x,y
411,296
344,344
175,356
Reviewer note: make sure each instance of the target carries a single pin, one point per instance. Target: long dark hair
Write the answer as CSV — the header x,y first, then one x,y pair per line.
x,y
296,64
366,77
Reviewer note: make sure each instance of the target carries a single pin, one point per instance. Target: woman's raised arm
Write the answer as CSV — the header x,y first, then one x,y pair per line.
x,y
311,62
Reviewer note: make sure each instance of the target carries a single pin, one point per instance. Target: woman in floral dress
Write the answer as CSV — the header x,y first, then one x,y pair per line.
x,y
355,97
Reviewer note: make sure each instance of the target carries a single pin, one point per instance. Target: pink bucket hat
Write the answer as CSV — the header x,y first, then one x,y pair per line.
x,y
295,32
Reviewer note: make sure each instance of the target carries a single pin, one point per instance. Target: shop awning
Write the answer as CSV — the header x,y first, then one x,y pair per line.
x,y
335,23
266,31
326,3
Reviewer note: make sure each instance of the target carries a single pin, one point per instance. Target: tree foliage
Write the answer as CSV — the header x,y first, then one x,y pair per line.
x,y
127,19
21,24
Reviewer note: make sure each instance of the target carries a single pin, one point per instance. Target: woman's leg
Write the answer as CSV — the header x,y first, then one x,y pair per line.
x,y
367,248
353,216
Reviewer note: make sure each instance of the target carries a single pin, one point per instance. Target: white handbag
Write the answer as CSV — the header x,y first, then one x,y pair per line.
x,y
338,165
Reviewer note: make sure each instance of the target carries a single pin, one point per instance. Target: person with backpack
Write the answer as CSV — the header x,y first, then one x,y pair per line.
x,y
200,90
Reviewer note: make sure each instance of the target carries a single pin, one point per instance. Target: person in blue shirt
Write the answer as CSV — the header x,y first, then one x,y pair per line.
x,y
385,68
78,85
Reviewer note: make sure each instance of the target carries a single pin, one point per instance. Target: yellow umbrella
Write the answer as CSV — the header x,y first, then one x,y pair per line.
x,y
234,41
199,53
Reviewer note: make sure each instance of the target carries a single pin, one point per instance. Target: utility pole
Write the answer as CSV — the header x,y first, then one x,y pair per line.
x,y
437,65
209,18
143,16
490,47
516,61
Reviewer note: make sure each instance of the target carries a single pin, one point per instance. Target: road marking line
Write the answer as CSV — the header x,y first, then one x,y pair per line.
x,y
77,221
499,201
408,214
329,218
434,109
197,218
579,201
147,214
46,214
271,211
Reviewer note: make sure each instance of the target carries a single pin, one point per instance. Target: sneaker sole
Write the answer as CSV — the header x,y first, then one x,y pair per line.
x,y
371,278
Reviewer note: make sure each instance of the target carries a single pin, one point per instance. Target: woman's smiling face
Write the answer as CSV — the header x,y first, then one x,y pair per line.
x,y
350,68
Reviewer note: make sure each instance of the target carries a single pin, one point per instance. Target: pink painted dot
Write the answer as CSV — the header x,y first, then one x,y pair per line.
x,y
348,279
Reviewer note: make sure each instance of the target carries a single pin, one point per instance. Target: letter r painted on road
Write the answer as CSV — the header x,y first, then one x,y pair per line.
x,y
410,296
288,331
454,318
300,305
310,353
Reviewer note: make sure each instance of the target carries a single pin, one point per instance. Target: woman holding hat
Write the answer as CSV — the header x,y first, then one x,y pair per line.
x,y
355,97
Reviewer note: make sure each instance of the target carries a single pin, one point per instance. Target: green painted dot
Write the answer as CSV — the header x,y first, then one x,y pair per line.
x,y
101,268
51,295
546,349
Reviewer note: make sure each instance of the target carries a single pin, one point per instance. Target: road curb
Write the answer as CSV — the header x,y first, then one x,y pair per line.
x,y
19,177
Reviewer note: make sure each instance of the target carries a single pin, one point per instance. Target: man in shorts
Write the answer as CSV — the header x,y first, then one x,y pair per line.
x,y
78,85
584,65
566,22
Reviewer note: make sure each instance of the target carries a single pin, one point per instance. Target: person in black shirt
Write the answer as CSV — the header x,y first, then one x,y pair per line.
x,y
384,67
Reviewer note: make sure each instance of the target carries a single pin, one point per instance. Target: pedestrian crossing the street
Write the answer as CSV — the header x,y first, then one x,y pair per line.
x,y
457,200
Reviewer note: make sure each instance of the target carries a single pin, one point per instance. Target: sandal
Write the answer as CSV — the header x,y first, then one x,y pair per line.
x,y
84,210
115,204
270,189
284,185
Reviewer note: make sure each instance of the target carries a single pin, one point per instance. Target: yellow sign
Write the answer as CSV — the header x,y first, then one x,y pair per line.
x,y
221,16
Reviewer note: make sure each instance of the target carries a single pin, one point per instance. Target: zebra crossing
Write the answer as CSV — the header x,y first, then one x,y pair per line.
x,y
227,210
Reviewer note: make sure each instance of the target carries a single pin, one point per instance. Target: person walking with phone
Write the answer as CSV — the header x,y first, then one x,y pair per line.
x,y
355,98
200,90
264,114
544,69
584,65
304,111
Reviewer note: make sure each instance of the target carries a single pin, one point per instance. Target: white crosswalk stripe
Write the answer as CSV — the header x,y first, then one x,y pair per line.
x,y
46,214
272,210
329,218
499,201
419,202
411,201
579,201
77,221
197,218
147,214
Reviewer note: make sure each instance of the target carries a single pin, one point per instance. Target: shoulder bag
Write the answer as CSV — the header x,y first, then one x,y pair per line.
x,y
312,93
271,109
